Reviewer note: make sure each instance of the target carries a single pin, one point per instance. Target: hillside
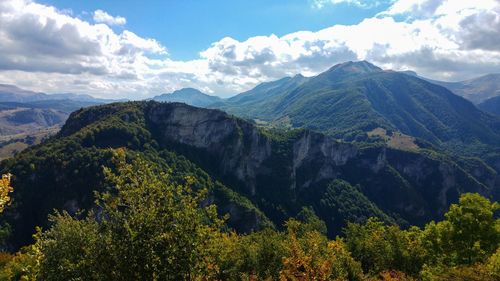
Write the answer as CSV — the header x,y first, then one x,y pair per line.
x,y
354,98
23,120
25,124
254,174
10,145
491,105
189,96
250,103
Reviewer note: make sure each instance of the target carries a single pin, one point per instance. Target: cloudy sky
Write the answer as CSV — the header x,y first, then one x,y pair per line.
x,y
137,49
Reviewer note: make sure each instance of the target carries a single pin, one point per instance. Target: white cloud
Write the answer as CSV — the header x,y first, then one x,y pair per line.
x,y
101,16
452,42
366,4
45,49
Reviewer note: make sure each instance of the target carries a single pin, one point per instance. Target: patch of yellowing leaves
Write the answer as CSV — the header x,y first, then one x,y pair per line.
x,y
5,190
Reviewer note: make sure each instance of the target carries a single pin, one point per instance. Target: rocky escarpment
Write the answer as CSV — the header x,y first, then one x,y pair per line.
x,y
281,174
256,174
239,148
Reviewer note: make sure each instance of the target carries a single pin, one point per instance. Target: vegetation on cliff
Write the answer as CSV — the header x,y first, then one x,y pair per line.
x,y
149,227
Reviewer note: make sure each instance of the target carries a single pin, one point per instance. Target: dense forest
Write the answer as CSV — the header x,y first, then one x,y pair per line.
x,y
147,226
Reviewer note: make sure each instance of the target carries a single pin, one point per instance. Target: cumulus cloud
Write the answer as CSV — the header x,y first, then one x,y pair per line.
x,y
101,16
367,4
45,49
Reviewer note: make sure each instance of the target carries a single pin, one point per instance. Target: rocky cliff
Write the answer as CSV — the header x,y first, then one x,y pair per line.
x,y
415,186
255,173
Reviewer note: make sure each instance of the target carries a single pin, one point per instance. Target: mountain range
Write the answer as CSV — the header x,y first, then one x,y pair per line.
x,y
27,117
353,142
351,100
11,93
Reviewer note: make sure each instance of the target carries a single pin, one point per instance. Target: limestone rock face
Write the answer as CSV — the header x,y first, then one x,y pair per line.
x,y
415,186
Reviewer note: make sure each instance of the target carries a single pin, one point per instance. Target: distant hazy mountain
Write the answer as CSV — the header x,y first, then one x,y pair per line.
x,y
491,105
66,106
189,96
353,98
27,117
476,90
10,93
15,94
82,98
21,120
23,111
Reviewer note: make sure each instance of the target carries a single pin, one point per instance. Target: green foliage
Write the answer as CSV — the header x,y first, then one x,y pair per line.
x,y
25,264
464,244
469,234
146,228
258,254
379,247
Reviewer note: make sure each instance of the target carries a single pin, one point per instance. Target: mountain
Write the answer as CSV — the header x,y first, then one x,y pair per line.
x,y
65,106
11,93
477,89
491,105
268,90
83,98
249,103
351,99
28,117
22,126
21,120
259,176
189,96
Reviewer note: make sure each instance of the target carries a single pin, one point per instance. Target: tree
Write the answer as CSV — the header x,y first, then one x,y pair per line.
x,y
380,247
312,257
145,227
25,264
469,234
474,229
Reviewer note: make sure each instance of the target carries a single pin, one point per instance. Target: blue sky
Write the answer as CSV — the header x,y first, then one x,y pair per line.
x,y
187,27
138,49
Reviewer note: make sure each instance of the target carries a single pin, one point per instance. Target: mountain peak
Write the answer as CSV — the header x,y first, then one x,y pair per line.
x,y
189,96
359,67
187,90
346,70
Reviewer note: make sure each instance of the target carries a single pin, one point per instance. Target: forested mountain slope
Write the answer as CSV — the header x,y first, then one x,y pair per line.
x,y
260,177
